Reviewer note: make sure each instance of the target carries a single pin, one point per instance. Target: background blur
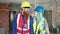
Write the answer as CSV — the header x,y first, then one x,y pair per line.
x,y
9,9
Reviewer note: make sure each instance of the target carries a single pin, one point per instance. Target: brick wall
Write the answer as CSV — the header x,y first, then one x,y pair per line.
x,y
4,17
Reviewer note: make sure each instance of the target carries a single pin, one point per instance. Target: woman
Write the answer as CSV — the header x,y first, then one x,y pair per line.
x,y
40,25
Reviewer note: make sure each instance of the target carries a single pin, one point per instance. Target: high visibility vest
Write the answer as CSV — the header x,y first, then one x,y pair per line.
x,y
40,27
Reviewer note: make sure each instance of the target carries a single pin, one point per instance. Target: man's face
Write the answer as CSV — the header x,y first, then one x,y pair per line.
x,y
26,10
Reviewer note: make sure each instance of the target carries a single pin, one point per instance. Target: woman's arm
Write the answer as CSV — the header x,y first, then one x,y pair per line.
x,y
46,27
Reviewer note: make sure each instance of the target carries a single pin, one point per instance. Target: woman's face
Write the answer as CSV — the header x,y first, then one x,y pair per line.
x,y
35,13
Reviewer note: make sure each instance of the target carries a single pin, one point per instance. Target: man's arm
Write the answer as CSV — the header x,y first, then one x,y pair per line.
x,y
31,25
14,25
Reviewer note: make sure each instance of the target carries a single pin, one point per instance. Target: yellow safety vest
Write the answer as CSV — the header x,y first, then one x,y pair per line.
x,y
39,26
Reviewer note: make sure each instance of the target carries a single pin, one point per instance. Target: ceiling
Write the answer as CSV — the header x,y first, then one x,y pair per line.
x,y
48,4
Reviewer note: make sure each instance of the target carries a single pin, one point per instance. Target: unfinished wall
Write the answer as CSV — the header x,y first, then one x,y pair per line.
x,y
4,17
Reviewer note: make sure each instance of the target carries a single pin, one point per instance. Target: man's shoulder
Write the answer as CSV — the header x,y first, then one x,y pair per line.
x,y
17,14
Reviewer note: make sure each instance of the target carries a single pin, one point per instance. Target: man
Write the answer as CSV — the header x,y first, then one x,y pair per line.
x,y
23,22
40,25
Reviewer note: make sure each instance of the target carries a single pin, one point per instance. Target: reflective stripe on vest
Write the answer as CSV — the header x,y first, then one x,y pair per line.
x,y
39,26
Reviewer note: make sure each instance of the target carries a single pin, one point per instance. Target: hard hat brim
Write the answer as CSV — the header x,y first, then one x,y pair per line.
x,y
25,6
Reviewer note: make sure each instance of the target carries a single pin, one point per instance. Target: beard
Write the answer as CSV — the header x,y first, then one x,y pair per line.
x,y
25,14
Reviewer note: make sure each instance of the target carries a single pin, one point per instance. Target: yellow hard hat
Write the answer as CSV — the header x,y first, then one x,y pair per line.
x,y
25,4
